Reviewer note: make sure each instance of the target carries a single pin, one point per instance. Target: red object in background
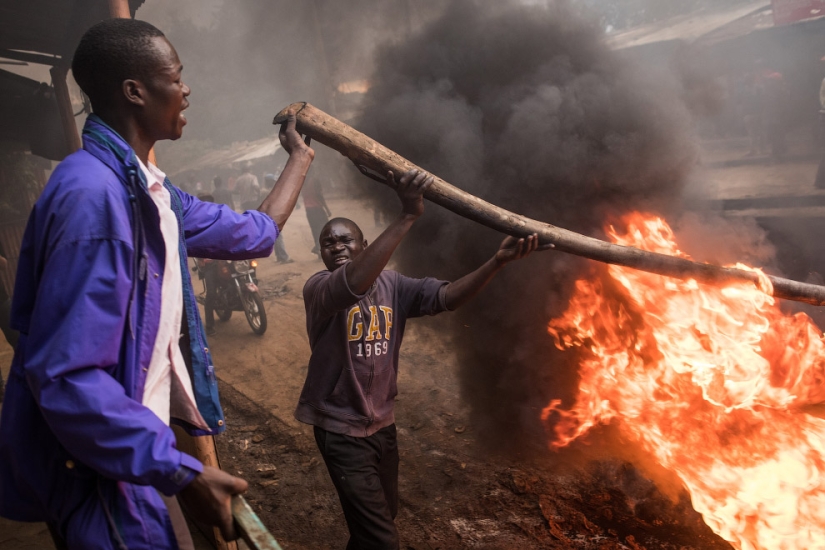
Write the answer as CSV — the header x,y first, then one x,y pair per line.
x,y
790,11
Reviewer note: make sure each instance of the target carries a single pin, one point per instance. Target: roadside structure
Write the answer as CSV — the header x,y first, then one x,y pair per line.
x,y
37,119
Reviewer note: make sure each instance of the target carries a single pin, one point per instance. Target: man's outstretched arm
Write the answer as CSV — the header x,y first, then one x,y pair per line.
x,y
280,202
459,292
365,268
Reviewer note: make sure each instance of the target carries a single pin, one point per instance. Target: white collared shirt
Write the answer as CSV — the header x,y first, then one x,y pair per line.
x,y
167,359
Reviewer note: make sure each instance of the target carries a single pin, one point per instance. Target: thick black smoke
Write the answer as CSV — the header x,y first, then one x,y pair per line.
x,y
526,107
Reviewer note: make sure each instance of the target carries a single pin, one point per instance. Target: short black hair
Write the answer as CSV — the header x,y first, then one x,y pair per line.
x,y
217,182
348,222
109,53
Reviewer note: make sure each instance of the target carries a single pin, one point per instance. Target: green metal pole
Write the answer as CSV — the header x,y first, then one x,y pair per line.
x,y
250,527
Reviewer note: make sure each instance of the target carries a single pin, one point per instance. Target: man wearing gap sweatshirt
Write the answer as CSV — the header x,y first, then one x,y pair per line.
x,y
356,314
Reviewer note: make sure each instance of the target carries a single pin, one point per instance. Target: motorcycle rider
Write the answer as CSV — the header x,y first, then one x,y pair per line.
x,y
209,272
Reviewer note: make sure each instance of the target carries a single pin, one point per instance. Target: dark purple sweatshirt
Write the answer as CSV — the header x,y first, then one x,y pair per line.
x,y
351,382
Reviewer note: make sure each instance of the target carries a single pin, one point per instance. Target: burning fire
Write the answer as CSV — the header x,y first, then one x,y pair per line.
x,y
715,382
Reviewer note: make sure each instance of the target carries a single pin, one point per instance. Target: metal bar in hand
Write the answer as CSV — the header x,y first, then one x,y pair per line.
x,y
250,527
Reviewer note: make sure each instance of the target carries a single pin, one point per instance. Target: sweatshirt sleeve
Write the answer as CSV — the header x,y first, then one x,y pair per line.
x,y
419,297
216,231
71,351
327,292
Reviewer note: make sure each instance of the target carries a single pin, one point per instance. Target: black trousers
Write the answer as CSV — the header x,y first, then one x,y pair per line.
x,y
364,471
210,278
819,183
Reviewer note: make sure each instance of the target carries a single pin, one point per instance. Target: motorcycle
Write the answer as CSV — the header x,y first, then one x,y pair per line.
x,y
237,290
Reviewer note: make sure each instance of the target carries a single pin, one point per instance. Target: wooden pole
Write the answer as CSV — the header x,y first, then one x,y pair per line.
x,y
64,107
374,159
119,9
204,449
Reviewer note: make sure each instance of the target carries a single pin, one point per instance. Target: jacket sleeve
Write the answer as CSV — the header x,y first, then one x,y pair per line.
x,y
216,231
74,343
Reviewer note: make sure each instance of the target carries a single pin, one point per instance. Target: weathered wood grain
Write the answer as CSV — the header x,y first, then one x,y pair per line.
x,y
373,158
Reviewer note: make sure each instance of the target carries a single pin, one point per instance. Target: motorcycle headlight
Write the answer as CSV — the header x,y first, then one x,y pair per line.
x,y
241,266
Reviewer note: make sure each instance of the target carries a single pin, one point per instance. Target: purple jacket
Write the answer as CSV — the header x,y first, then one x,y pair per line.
x,y
351,381
87,305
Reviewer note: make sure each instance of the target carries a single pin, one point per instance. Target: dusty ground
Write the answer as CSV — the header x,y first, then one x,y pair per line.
x,y
454,494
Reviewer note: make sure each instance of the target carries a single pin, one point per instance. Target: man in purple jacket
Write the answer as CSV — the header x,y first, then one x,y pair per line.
x,y
356,313
111,347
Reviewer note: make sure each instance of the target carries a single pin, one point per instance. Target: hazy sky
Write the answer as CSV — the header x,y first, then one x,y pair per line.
x,y
161,12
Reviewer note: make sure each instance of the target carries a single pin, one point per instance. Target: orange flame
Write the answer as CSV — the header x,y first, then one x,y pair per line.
x,y
711,381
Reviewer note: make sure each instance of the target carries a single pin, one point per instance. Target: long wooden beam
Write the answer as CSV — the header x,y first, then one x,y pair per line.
x,y
64,105
119,9
29,57
373,158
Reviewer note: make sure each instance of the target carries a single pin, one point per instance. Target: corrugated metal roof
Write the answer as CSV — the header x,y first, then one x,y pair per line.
x,y
759,20
236,153
51,27
29,116
688,28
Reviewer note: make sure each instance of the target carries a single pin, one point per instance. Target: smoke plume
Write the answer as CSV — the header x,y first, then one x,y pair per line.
x,y
524,106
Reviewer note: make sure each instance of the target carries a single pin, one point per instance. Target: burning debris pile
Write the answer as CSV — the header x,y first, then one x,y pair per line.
x,y
527,108
613,507
710,381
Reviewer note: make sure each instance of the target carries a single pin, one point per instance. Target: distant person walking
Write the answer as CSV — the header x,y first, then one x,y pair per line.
x,y
822,94
5,315
819,183
220,194
248,188
754,117
5,307
775,105
318,212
